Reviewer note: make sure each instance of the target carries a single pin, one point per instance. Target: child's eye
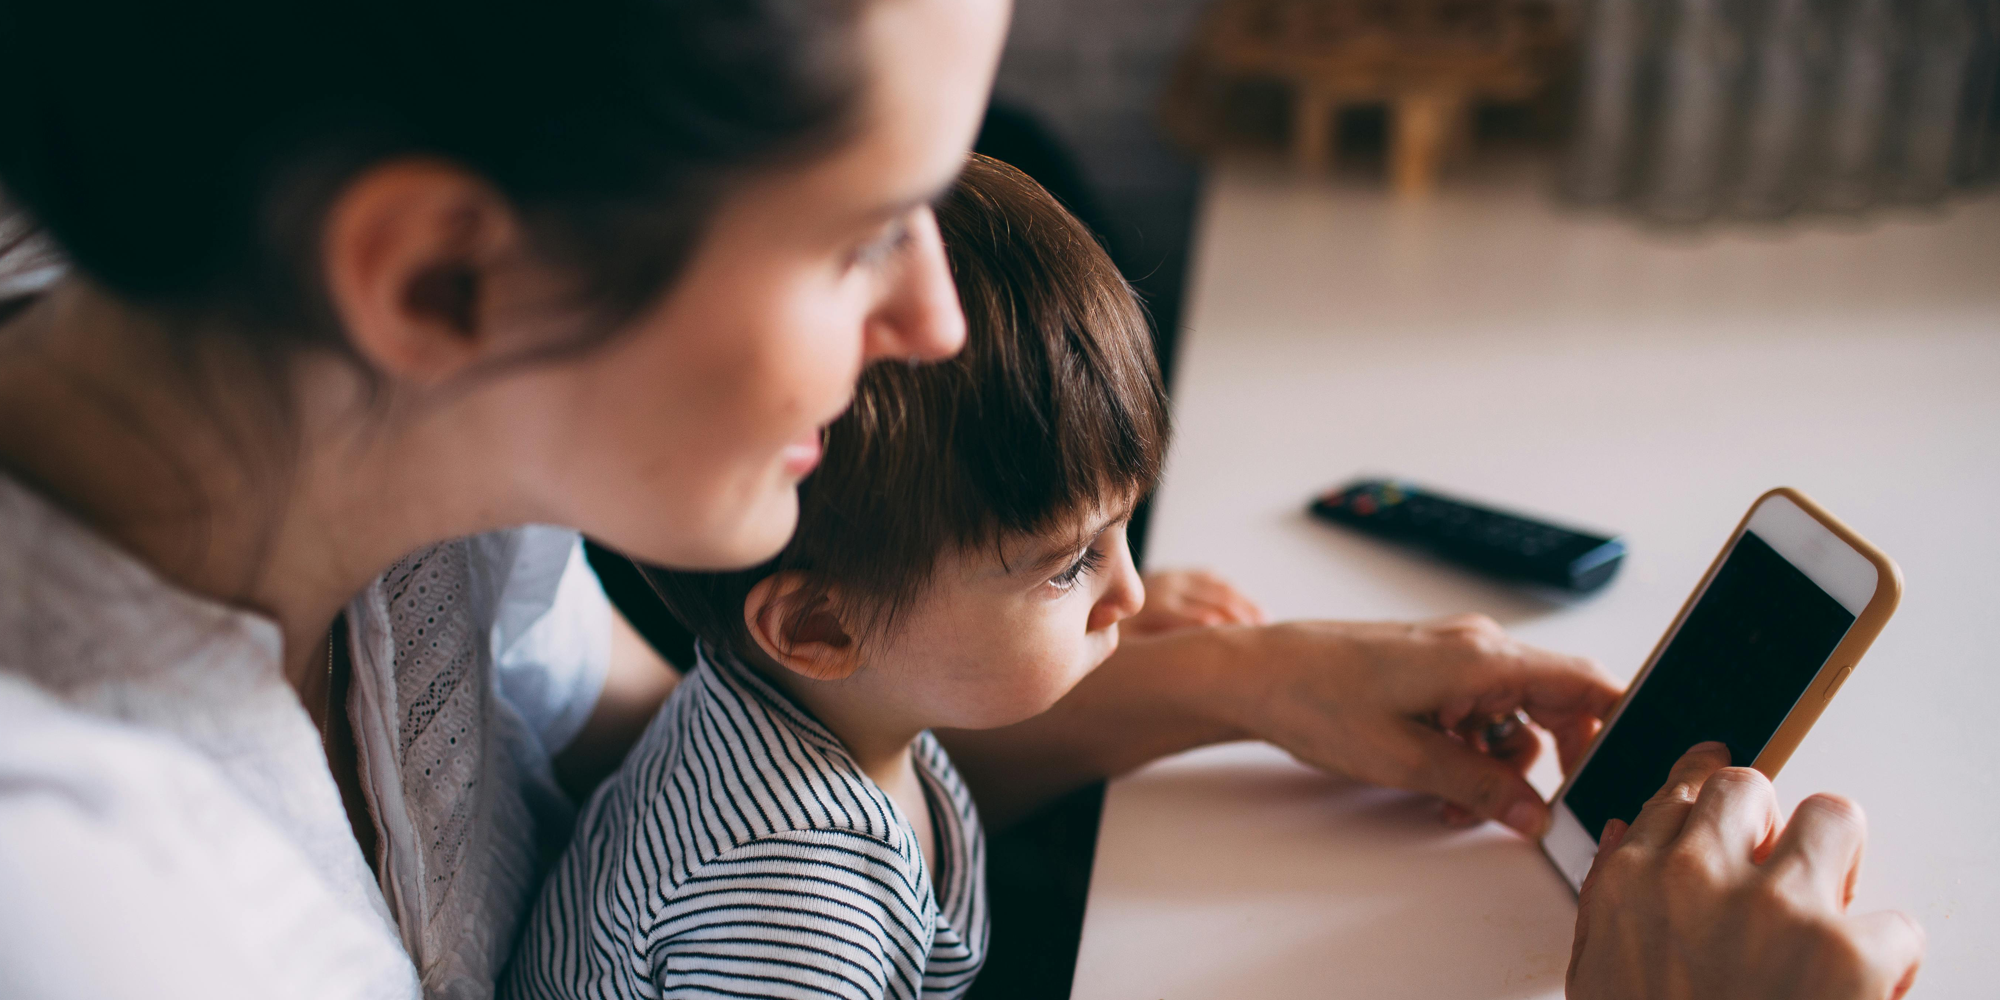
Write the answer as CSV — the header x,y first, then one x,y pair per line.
x,y
1085,564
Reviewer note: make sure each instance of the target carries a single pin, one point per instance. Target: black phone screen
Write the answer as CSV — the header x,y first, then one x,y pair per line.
x,y
1747,651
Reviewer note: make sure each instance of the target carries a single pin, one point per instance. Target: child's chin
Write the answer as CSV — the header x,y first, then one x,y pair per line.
x,y
1061,690
1026,705
1102,653
1110,646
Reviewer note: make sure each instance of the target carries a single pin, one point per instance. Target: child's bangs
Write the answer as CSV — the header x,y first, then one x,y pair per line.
x,y
1062,406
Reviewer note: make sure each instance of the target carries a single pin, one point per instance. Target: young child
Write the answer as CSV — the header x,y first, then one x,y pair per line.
x,y
788,826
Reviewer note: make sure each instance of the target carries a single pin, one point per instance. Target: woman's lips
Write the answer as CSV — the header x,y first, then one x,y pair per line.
x,y
802,454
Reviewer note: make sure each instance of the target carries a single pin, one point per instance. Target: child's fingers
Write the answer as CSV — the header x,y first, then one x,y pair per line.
x,y
1227,612
1248,612
1194,613
1184,597
1236,606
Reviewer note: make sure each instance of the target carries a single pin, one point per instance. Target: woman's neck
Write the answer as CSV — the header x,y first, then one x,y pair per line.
x,y
260,495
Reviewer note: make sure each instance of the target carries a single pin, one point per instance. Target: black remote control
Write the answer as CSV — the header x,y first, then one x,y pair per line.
x,y
1481,538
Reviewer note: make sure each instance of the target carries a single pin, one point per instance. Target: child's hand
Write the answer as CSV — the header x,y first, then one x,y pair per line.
x,y
1185,598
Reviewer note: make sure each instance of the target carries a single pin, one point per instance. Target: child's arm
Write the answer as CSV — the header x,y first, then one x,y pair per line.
x,y
817,913
1344,696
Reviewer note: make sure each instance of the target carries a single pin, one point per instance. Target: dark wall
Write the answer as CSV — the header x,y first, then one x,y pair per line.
x,y
1091,71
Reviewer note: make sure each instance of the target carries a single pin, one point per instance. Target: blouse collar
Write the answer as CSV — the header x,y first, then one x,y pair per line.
x,y
89,622
103,634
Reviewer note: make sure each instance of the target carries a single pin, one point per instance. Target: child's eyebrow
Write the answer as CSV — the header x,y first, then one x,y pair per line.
x,y
1048,557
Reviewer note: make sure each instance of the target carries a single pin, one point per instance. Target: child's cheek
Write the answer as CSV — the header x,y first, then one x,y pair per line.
x,y
1063,654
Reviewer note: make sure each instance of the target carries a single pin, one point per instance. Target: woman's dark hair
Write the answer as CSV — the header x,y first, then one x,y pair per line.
x,y
1053,406
183,154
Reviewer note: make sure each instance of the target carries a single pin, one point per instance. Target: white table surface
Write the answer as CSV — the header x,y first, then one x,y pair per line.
x,y
1580,366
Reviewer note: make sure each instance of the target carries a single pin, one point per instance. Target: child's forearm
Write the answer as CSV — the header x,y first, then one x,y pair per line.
x,y
1372,700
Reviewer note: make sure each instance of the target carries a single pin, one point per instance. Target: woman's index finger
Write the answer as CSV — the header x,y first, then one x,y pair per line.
x,y
1665,814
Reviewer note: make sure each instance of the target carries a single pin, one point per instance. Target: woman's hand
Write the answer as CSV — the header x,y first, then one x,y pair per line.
x,y
1185,598
1705,897
1407,706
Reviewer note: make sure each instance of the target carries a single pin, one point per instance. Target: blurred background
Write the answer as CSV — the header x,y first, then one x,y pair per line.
x,y
1718,124
1678,112
1690,122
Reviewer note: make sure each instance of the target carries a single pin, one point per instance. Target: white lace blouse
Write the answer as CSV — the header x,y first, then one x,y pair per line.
x,y
168,825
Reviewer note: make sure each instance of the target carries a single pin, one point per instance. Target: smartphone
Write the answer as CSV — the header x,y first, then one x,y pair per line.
x,y
1760,647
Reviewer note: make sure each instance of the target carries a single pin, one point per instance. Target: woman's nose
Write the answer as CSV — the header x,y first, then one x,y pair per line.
x,y
919,318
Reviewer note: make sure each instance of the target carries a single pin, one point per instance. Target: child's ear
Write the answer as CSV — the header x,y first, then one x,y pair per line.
x,y
798,628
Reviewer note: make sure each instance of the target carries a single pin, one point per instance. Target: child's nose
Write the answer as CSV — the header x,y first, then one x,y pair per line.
x,y
1125,595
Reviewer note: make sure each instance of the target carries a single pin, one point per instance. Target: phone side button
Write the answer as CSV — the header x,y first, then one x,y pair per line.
x,y
1838,679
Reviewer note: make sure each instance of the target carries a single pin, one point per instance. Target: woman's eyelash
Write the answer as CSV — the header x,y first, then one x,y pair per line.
x,y
888,243
1086,563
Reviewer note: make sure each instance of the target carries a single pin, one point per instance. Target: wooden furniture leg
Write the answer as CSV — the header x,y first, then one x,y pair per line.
x,y
1312,129
1424,121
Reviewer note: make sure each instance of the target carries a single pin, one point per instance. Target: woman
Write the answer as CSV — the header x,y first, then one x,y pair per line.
x,y
361,288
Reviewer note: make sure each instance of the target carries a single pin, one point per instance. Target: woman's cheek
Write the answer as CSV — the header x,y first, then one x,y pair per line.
x,y
826,323
728,460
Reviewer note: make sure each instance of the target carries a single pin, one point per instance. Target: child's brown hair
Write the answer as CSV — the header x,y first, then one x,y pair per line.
x,y
1054,405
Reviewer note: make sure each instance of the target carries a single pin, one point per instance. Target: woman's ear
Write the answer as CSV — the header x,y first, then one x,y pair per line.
x,y
798,627
408,255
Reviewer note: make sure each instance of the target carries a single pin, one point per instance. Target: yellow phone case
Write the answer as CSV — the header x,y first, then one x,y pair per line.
x,y
1839,665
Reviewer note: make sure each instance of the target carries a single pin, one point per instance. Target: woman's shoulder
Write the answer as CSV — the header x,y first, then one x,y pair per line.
x,y
117,838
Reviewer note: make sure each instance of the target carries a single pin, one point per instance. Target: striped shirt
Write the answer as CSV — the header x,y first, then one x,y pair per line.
x,y
740,851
